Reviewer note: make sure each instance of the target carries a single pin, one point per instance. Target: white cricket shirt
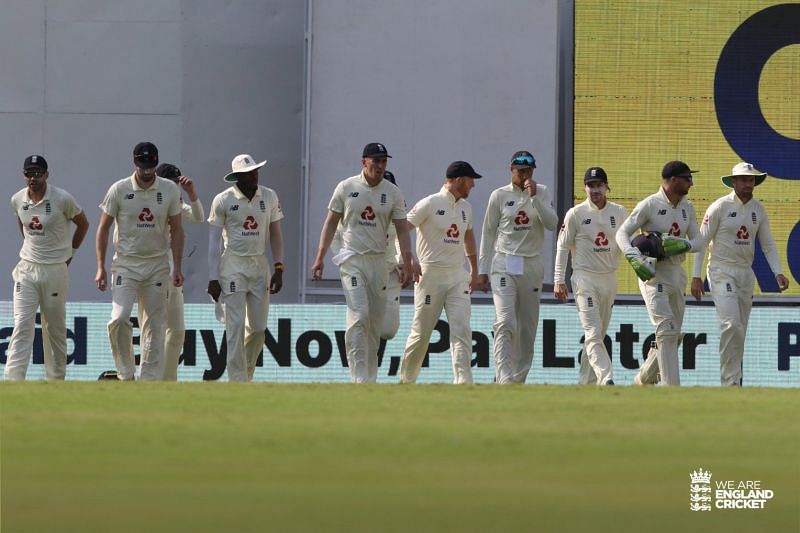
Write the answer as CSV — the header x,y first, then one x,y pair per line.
x,y
589,233
46,225
441,222
514,223
141,217
367,212
245,223
730,227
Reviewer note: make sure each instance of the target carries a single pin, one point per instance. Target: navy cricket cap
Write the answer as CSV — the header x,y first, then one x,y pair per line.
x,y
375,150
169,171
145,155
34,161
676,168
457,169
595,174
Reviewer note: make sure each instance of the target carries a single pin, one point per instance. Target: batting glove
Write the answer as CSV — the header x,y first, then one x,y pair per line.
x,y
675,246
645,267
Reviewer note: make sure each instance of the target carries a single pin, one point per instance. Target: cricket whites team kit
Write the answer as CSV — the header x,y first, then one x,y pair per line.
x,y
663,294
41,280
731,227
176,327
442,222
511,245
367,212
140,270
244,273
589,234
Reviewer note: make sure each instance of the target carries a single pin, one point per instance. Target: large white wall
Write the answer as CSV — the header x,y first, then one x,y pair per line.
x,y
84,80
436,82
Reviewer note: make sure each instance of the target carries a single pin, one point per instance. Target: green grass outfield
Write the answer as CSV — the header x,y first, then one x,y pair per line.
x,y
224,457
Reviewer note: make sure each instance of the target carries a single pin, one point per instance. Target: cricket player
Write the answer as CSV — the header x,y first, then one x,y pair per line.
x,y
589,234
671,215
146,213
730,226
391,317
176,329
365,204
511,245
44,213
244,219
444,236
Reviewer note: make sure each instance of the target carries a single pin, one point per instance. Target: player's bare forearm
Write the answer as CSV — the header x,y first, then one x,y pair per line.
x,y
81,229
276,241
176,241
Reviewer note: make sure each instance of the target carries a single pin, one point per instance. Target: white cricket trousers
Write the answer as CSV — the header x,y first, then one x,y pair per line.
x,y
245,293
391,317
364,280
45,287
448,289
516,306
176,331
594,298
732,291
664,297
148,285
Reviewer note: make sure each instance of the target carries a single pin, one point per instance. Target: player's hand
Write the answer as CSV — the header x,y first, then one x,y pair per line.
x,y
483,282
410,274
177,278
474,283
101,279
316,269
276,282
783,282
214,289
187,184
675,245
398,271
530,186
697,289
643,266
561,292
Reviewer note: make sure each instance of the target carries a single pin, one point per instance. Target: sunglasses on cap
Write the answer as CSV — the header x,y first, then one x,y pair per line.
x,y
524,160
31,173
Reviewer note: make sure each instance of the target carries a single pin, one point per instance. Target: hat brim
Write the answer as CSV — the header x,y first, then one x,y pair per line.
x,y
231,176
728,180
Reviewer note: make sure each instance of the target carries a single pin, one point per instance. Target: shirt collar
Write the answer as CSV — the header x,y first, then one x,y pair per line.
x,y
448,195
666,199
241,196
137,187
593,207
45,197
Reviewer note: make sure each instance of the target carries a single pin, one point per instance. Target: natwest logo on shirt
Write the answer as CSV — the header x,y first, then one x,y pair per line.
x,y
674,230
368,213
250,223
453,232
35,224
146,215
601,239
743,233
521,218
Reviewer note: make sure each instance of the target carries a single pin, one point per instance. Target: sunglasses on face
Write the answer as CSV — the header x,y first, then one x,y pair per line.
x,y
687,178
34,173
524,160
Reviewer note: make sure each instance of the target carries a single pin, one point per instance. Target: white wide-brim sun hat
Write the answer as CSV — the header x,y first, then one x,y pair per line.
x,y
242,163
744,169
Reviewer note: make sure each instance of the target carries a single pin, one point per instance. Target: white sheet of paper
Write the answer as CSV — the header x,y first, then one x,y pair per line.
x,y
342,256
515,264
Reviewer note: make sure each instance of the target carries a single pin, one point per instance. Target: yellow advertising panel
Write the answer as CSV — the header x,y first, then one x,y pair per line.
x,y
710,83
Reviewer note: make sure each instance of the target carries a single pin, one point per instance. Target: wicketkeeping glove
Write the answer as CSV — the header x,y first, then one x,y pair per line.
x,y
645,267
675,246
